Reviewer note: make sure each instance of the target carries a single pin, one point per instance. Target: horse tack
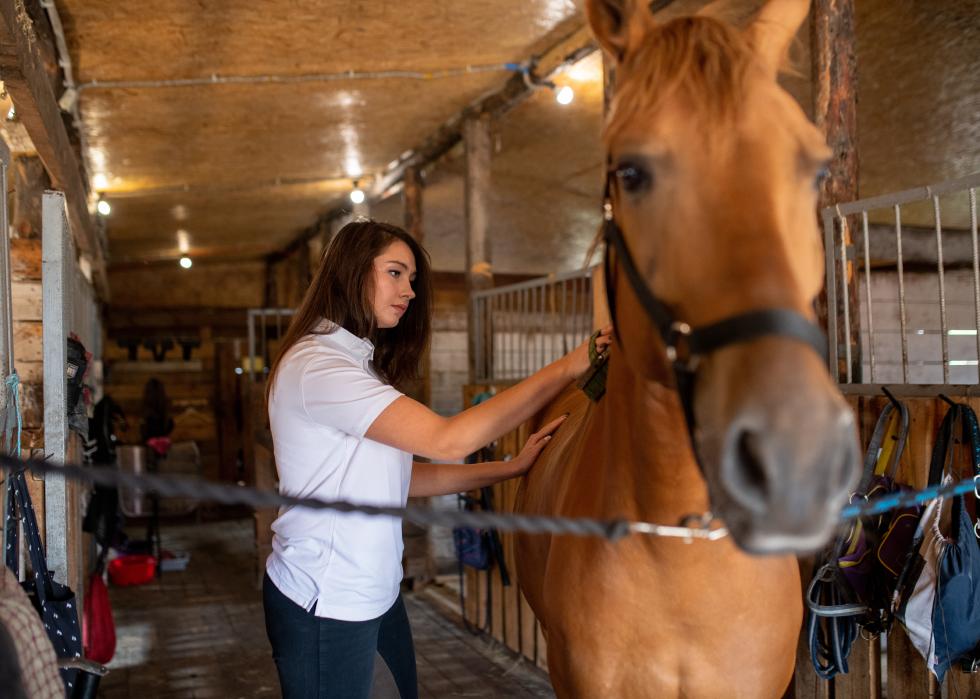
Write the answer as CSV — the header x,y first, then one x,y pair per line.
x,y
593,381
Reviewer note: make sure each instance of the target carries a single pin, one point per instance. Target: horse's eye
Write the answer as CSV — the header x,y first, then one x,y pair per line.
x,y
633,178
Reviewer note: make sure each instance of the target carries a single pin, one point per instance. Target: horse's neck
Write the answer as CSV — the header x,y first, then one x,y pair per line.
x,y
646,448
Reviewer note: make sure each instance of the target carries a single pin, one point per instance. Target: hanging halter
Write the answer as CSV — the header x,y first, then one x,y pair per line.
x,y
701,341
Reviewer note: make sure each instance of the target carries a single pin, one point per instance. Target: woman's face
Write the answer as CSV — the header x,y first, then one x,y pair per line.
x,y
394,272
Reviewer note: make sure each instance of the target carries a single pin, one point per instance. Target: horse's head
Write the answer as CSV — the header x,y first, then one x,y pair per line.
x,y
714,172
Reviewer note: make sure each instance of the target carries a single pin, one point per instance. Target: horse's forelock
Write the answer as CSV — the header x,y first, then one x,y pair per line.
x,y
703,58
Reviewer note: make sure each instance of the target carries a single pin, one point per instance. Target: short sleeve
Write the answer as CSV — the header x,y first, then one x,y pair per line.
x,y
339,392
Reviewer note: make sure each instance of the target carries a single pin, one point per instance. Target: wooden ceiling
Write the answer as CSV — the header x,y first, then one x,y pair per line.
x,y
244,167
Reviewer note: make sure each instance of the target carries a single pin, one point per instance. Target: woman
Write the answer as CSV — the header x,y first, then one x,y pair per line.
x,y
343,431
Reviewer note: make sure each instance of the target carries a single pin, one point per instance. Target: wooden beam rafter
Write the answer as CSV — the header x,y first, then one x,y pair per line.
x,y
23,71
576,45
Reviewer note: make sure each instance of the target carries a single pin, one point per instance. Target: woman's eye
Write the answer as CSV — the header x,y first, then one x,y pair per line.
x,y
633,178
394,272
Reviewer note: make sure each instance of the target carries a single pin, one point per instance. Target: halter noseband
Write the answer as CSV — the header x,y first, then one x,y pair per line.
x,y
699,341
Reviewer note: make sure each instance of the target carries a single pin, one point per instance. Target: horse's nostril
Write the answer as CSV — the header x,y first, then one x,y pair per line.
x,y
747,480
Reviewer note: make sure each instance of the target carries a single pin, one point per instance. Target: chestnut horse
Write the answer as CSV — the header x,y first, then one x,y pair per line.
x,y
712,188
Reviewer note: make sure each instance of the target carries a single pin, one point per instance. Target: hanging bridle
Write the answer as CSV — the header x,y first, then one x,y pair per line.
x,y
700,341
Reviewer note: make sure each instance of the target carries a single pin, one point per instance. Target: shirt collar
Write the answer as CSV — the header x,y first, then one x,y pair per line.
x,y
343,339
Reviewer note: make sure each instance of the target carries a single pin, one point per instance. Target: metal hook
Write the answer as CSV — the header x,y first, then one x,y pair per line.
x,y
947,399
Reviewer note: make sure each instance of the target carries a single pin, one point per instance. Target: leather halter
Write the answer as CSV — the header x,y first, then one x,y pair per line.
x,y
703,340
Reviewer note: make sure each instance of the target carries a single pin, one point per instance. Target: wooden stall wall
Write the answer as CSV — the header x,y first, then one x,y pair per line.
x,y
186,328
510,620
190,386
25,271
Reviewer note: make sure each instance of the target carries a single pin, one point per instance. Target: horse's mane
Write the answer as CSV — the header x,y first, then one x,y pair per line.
x,y
701,56
705,59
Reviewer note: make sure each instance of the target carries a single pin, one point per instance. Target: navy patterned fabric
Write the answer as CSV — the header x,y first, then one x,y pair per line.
x,y
54,602
956,616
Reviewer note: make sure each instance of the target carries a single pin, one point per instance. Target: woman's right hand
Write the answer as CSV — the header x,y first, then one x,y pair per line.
x,y
578,358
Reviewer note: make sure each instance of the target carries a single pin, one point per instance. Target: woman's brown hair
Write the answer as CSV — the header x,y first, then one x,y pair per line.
x,y
342,292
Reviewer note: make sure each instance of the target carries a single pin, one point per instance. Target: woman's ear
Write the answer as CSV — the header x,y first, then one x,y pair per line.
x,y
774,28
615,22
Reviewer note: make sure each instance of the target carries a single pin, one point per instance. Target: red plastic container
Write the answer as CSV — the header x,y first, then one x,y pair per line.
x,y
132,569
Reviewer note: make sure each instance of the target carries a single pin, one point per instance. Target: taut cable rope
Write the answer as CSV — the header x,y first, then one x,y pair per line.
x,y
611,529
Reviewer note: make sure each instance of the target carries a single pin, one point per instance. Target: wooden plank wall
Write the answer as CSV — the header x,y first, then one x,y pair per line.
x,y
25,272
190,386
901,671
511,622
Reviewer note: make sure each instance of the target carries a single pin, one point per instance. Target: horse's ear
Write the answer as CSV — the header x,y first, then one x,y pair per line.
x,y
613,22
774,28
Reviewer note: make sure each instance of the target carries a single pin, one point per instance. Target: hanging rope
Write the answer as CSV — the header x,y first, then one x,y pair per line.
x,y
12,422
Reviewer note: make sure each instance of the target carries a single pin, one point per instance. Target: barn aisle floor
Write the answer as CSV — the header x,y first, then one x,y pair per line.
x,y
200,633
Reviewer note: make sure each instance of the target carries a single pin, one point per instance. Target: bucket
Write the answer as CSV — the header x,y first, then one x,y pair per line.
x,y
132,569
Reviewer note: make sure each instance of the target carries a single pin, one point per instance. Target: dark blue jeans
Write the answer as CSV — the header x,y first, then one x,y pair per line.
x,y
321,658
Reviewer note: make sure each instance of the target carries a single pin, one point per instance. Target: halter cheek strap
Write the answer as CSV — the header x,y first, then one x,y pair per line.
x,y
701,341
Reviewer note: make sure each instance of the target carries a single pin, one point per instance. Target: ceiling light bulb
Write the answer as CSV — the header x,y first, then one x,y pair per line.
x,y
103,207
186,262
357,196
565,95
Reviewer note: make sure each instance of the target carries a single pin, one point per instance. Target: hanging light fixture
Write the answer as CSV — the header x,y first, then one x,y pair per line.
x,y
186,262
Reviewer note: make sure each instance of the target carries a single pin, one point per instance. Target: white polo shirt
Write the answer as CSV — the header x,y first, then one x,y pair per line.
x,y
326,395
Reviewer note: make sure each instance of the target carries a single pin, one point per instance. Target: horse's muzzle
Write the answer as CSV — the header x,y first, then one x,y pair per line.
x,y
780,470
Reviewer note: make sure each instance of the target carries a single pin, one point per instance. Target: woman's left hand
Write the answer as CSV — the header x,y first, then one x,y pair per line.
x,y
535,443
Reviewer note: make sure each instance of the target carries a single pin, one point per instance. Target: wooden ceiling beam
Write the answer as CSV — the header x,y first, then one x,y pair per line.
x,y
575,46
22,68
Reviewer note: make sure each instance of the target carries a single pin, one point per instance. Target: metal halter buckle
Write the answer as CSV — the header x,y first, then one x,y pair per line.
x,y
677,329
869,635
976,486
695,521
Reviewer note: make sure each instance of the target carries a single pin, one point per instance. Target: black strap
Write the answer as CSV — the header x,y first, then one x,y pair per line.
x,y
971,435
496,549
657,311
17,488
941,454
753,324
737,329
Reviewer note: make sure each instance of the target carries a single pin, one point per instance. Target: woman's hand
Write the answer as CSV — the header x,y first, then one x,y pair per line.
x,y
535,443
578,359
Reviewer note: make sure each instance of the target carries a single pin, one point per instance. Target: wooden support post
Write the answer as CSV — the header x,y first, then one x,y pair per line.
x,y
6,321
412,203
420,390
479,271
30,181
834,69
63,542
